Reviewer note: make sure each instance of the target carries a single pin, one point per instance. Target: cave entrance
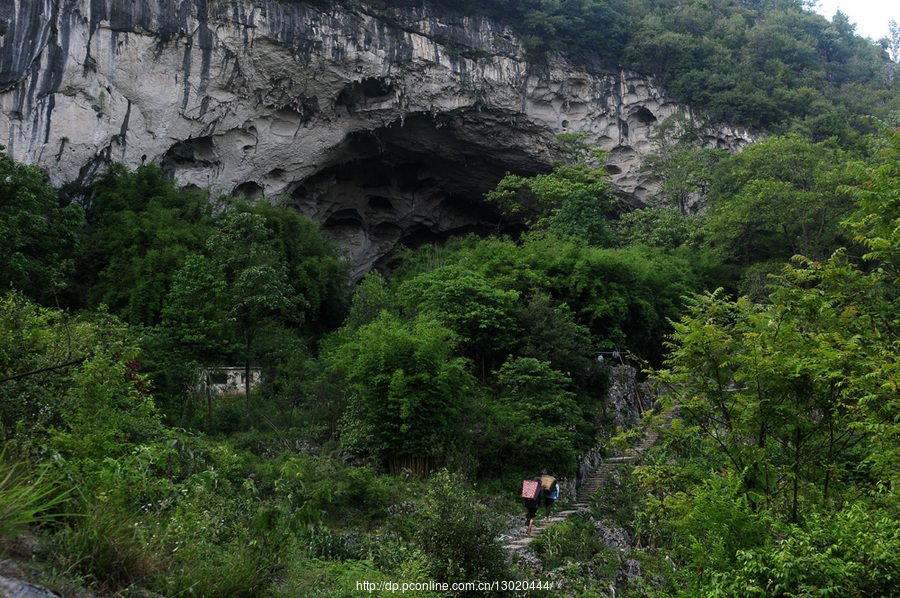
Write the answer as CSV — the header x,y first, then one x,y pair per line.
x,y
415,181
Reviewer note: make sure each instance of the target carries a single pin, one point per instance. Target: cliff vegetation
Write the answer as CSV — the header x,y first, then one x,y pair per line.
x,y
383,429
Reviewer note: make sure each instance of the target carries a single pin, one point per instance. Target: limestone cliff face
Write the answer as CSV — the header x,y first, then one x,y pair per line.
x,y
387,125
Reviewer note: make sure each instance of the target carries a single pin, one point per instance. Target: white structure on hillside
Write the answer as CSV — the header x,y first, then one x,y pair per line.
x,y
228,380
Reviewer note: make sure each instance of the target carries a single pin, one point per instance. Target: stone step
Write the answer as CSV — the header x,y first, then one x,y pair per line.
x,y
589,489
546,522
520,543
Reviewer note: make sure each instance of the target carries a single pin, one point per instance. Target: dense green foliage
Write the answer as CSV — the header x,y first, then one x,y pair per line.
x,y
38,234
458,534
785,449
140,229
781,197
397,419
478,356
772,65
405,389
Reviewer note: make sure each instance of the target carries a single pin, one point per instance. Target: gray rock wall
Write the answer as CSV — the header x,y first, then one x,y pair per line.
x,y
626,401
386,126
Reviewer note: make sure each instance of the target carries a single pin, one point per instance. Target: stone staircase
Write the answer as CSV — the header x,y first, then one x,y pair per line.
x,y
588,489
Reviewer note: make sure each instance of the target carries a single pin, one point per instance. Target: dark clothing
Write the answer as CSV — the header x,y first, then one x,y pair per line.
x,y
532,505
550,495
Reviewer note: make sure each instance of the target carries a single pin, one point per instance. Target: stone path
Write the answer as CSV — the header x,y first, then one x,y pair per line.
x,y
587,491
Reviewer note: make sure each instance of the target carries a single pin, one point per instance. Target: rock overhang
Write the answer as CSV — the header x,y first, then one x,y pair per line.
x,y
385,125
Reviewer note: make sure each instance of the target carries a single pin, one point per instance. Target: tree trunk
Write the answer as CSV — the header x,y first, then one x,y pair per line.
x,y
247,389
418,466
796,488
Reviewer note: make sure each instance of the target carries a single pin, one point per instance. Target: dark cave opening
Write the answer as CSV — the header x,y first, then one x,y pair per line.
x,y
415,181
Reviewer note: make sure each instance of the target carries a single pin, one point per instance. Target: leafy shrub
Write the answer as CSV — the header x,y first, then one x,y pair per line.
x,y
573,539
226,548
620,500
712,522
406,390
388,551
228,417
366,490
458,533
540,414
854,552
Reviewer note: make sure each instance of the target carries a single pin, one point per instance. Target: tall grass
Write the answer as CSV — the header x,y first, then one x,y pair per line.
x,y
105,547
23,502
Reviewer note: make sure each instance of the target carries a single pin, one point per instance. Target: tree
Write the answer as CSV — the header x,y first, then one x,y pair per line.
x,y
535,201
405,388
370,299
36,345
681,160
779,198
458,532
893,41
314,265
795,398
71,383
483,315
829,554
582,217
623,296
667,228
140,230
38,233
550,334
877,198
195,316
761,387
196,309
541,414
877,226
257,290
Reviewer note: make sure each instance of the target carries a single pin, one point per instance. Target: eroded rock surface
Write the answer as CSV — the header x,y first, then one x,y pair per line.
x,y
387,125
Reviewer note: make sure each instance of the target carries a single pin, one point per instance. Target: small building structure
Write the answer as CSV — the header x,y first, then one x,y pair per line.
x,y
229,380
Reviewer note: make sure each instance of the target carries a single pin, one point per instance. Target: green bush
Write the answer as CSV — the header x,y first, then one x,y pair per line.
x,y
458,533
854,552
574,539
228,417
712,523
387,550
367,491
225,548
